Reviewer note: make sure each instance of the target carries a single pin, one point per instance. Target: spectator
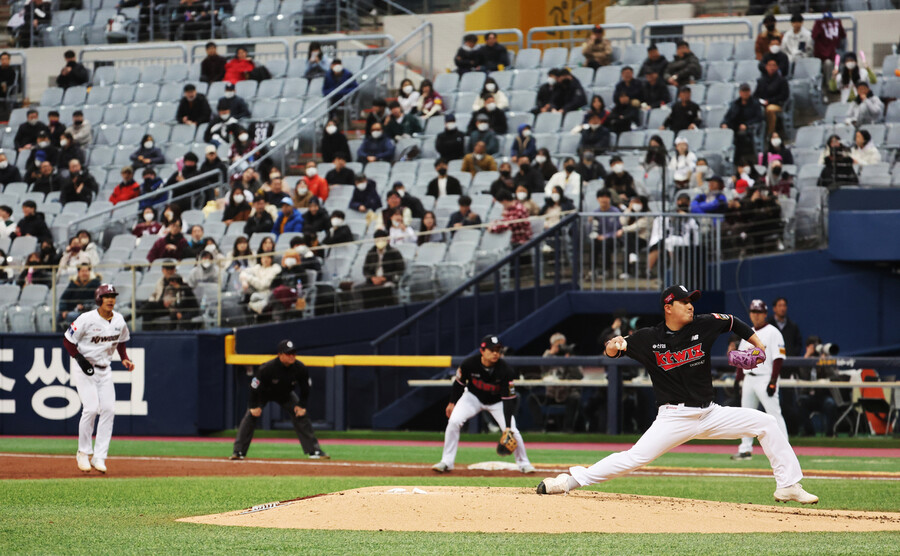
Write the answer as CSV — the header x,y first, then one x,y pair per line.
x,y
289,219
567,178
567,396
523,144
589,168
478,160
683,158
393,205
335,79
409,201
630,86
408,97
383,267
44,150
865,152
480,132
301,194
635,232
148,224
170,213
523,195
443,184
316,183
430,102
68,150
171,246
845,78
793,340
655,92
684,68
493,54
468,57
568,94
212,162
257,280
554,205
399,231
742,115
182,193
450,143
597,51
594,136
400,124
259,221
340,174
80,129
242,146
828,34
88,246
239,67
544,99
464,216
866,108
544,164
657,156
765,38
73,73
267,245
365,195
504,182
316,63
654,61
31,275
240,255
47,179
713,202
193,109
148,154
776,53
78,296
8,172
597,107
334,142
777,180
127,189
775,147
7,227
427,230
79,186
773,92
339,232
150,184
316,218
73,257
528,176
624,116
679,232
619,182
514,218
33,223
204,272
27,134
376,146
798,42
212,68
604,231
238,207
379,114
154,307
490,90
9,77
224,128
55,126
38,14
496,118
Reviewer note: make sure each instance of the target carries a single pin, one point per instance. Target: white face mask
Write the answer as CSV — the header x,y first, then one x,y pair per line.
x,y
290,261
776,141
851,65
43,144
4,165
243,137
618,168
148,217
745,170
483,126
148,144
337,68
336,222
774,48
396,223
491,87
169,214
206,264
637,207
407,89
376,135
331,129
361,186
63,143
551,81
540,159
702,170
478,156
554,197
491,106
401,192
526,133
311,171
593,126
225,117
381,243
229,94
301,191
450,126
522,195
238,199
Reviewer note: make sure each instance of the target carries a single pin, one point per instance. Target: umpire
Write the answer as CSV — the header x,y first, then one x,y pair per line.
x,y
275,381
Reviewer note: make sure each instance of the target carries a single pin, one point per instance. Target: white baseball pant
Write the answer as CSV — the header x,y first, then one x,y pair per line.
x,y
467,407
676,424
98,398
753,393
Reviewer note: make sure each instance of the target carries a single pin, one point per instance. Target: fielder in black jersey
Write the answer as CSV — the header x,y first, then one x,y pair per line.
x,y
676,354
483,382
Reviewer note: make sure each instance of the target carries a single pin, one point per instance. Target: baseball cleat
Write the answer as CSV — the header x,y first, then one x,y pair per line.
x,y
557,485
319,454
527,468
795,493
742,455
99,464
236,455
84,461
441,467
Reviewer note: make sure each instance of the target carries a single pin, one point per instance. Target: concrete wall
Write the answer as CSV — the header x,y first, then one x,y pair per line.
x,y
448,29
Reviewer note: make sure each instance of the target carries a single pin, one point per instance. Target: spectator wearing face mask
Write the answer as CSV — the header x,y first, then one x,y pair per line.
x,y
376,146
567,178
409,201
523,195
68,150
314,182
383,267
27,134
235,105
594,136
450,143
845,78
478,160
683,157
480,132
701,174
528,176
365,195
490,90
400,124
44,150
678,232
238,208
496,118
8,172
147,224
468,58
764,39
338,232
775,53
777,180
80,129
619,182
224,127
147,154
543,163
337,77
634,232
544,100
150,183
443,184
524,143
182,177
204,272
554,205
589,168
775,147
408,97
504,182
334,142
243,144
430,102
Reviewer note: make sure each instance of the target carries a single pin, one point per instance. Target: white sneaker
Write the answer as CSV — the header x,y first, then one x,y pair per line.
x,y
632,258
99,464
795,493
84,461
441,467
624,276
557,485
527,468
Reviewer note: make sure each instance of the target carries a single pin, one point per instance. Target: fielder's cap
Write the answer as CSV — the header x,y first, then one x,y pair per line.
x,y
677,293
758,306
490,342
286,346
286,201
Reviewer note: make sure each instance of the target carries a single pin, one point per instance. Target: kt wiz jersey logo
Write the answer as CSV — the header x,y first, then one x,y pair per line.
x,y
669,360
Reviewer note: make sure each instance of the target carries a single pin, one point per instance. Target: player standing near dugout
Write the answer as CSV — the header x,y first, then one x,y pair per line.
x,y
676,354
92,340
275,381
760,385
484,382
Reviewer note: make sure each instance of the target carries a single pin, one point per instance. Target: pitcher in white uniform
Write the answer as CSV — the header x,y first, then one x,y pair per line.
x,y
761,383
92,340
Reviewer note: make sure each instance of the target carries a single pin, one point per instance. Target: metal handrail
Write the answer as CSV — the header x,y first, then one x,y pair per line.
x,y
704,22
23,69
518,34
131,47
242,42
815,17
531,42
338,38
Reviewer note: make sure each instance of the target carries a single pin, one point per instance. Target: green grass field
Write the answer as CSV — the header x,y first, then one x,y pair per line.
x,y
124,516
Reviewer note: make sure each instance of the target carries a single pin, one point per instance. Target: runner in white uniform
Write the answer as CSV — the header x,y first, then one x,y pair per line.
x,y
761,383
92,340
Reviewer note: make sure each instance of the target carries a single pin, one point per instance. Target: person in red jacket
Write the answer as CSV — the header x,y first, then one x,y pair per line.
x,y
128,188
314,182
239,67
827,35
171,246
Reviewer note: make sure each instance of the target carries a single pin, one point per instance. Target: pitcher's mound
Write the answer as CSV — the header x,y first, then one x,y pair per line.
x,y
520,510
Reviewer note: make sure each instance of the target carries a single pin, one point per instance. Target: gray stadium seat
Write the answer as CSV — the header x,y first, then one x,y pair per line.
x,y
146,93
554,57
52,96
747,71
720,51
607,76
528,58
98,95
445,83
75,96
547,122
745,50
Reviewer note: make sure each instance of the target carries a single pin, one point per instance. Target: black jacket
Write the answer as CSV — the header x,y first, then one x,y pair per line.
x,y
392,264
496,119
47,184
345,176
793,341
212,68
596,140
656,95
493,56
217,164
684,69
453,187
634,90
784,63
236,105
451,145
27,133
273,381
838,170
35,226
531,179
544,97
622,117
69,191
740,113
568,95
77,76
10,174
659,65
341,234
773,89
226,130
197,111
334,144
318,222
683,116
592,172
467,60
260,222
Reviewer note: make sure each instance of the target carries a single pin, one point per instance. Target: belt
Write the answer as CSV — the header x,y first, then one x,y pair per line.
x,y
703,405
101,366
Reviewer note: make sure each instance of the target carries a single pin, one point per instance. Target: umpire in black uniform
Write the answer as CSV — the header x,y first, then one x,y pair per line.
x,y
275,381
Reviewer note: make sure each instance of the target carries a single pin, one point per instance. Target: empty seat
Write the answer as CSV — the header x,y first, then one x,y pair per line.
x,y
553,58
528,58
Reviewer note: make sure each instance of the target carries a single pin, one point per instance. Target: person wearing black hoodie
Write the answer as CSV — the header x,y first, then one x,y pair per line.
x,y
773,92
33,223
468,58
338,232
73,73
188,170
79,186
334,142
260,220
450,143
568,94
316,218
8,172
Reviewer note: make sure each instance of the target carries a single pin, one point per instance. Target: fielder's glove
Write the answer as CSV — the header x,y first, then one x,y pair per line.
x,y
84,364
770,389
507,444
746,359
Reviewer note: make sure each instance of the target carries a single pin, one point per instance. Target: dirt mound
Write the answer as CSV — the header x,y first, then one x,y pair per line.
x,y
464,509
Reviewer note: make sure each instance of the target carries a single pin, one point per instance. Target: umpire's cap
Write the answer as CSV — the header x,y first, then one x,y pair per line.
x,y
103,291
286,346
490,342
677,293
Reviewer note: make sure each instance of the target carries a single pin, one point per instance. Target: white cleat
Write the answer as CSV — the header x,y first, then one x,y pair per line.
x,y
557,485
795,493
99,464
441,467
527,468
84,462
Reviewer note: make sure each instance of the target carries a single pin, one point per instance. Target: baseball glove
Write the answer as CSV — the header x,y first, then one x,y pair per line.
x,y
507,444
746,359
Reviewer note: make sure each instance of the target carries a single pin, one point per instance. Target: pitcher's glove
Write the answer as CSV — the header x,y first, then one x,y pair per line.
x,y
507,444
746,359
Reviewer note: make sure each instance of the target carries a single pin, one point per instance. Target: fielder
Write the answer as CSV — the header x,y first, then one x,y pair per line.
x,y
676,355
91,340
484,382
761,383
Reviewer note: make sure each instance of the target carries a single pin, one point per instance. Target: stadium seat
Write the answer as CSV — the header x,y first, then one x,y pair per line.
x,y
745,50
553,58
528,58
471,82
526,80
720,94
146,93
503,79
719,51
634,55
547,122
747,71
607,76
52,96
75,96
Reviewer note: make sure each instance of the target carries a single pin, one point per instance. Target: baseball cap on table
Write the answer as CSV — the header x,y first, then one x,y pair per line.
x,y
677,293
286,346
490,342
758,306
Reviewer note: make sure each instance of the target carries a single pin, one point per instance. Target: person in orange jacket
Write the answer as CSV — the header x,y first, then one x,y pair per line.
x,y
127,189
314,182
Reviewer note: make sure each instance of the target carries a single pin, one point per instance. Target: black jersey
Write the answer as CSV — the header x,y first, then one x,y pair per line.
x,y
272,381
489,384
679,362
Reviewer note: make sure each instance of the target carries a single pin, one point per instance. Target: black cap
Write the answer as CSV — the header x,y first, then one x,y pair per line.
x,y
797,17
286,346
490,342
677,293
758,306
229,86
